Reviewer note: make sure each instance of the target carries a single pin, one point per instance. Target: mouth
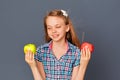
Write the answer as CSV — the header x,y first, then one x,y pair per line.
x,y
55,35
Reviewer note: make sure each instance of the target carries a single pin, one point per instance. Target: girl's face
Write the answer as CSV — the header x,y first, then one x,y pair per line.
x,y
56,28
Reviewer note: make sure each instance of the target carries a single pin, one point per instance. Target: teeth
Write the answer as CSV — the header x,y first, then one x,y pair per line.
x,y
55,35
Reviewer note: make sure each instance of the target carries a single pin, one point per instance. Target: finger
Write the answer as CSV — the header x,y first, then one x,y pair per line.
x,y
83,52
27,57
26,54
88,53
30,55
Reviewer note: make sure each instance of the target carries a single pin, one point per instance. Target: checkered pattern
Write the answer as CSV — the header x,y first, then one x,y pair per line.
x,y
58,69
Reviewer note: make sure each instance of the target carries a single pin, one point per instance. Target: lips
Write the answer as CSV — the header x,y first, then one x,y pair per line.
x,y
55,35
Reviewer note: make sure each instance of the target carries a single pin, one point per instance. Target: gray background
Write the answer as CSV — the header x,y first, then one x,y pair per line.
x,y
21,22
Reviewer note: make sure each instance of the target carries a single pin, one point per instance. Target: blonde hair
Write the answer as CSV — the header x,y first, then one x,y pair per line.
x,y
70,35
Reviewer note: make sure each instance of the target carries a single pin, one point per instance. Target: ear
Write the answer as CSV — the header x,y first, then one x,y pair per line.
x,y
68,28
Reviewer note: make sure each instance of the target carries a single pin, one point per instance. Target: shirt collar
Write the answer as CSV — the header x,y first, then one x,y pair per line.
x,y
49,45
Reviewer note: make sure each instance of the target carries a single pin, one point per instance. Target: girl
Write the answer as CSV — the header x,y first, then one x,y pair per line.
x,y
60,57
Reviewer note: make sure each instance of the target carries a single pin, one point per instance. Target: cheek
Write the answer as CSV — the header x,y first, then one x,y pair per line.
x,y
48,31
63,32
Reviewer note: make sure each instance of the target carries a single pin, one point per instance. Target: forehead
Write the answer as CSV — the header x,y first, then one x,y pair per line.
x,y
53,20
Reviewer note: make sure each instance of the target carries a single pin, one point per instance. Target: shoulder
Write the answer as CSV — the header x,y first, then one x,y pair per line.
x,y
75,54
43,47
73,47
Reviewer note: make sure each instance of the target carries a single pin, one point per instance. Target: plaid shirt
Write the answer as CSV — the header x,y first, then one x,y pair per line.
x,y
58,69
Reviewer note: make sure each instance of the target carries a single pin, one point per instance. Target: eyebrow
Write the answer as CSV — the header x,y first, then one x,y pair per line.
x,y
54,25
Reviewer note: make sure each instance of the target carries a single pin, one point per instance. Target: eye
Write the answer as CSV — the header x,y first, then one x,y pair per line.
x,y
58,26
48,28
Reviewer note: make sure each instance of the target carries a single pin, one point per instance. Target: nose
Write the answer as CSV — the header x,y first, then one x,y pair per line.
x,y
54,30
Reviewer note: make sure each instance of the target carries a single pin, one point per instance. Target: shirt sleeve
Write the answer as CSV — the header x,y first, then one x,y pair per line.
x,y
38,55
77,57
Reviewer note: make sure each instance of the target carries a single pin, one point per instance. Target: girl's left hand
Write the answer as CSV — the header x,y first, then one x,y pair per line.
x,y
84,60
85,56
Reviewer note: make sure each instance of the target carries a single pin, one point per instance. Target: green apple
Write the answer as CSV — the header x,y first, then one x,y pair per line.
x,y
31,47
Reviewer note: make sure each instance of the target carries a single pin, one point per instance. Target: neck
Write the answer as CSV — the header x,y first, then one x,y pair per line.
x,y
60,44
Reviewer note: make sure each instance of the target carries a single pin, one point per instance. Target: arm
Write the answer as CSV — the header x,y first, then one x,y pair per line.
x,y
29,58
85,58
75,72
41,69
36,73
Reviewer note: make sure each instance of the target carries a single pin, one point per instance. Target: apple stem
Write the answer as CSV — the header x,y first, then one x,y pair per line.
x,y
83,36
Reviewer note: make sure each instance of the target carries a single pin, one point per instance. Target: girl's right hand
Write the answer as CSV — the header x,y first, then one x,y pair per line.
x,y
29,58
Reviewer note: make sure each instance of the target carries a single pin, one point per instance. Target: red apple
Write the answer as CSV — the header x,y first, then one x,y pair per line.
x,y
87,44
